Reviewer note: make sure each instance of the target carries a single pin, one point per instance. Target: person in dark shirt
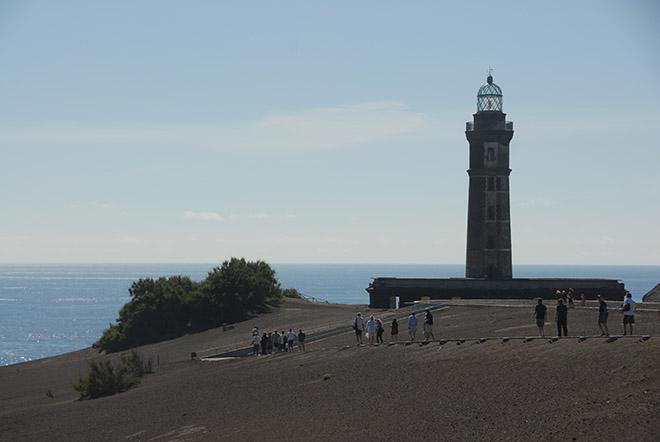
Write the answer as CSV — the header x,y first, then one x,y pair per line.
x,y
539,313
269,343
562,318
428,326
602,316
379,331
301,340
395,330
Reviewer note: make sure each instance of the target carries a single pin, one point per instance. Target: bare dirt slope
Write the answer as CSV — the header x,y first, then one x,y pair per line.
x,y
338,391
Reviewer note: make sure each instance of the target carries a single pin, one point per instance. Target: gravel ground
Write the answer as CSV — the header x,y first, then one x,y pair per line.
x,y
567,390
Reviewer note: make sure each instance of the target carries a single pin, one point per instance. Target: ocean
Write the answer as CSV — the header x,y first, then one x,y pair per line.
x,y
49,309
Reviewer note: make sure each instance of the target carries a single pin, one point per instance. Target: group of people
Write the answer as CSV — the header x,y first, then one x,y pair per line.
x,y
373,328
276,342
561,315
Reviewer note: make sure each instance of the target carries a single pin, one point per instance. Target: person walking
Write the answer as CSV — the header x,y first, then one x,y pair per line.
x,y
379,331
602,316
358,326
540,312
428,325
395,330
562,318
301,339
412,326
291,339
371,330
628,309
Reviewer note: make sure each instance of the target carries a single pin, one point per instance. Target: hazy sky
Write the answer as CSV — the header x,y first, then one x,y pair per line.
x,y
323,131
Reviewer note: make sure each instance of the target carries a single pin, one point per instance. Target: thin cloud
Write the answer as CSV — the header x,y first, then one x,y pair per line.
x,y
308,130
202,216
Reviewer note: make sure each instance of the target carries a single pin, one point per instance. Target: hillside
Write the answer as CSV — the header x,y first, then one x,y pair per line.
x,y
338,391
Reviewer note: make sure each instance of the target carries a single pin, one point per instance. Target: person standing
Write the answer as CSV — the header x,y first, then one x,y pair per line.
x,y
258,342
628,308
562,318
358,326
570,297
412,326
301,339
379,331
395,330
602,316
291,339
371,330
283,341
540,311
276,341
583,299
428,325
269,344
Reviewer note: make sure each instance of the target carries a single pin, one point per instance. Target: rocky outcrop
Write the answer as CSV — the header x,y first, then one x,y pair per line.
x,y
653,295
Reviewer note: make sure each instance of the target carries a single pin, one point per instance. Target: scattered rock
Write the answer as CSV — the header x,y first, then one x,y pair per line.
x,y
327,376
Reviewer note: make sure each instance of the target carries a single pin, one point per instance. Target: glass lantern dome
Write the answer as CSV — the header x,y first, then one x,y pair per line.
x,y
489,97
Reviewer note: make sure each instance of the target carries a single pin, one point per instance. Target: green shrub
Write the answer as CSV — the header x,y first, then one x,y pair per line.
x,y
105,378
292,293
166,308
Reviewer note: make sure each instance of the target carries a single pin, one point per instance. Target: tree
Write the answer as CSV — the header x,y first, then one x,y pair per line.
x,y
165,308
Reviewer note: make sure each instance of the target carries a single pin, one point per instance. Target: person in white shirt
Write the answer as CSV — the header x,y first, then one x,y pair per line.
x,y
628,308
290,339
358,326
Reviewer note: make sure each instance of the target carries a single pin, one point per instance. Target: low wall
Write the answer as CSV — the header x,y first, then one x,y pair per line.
x,y
383,291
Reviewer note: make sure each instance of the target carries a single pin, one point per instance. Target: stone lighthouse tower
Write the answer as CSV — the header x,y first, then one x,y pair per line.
x,y
489,222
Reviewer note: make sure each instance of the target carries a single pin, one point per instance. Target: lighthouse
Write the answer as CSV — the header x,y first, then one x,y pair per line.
x,y
489,221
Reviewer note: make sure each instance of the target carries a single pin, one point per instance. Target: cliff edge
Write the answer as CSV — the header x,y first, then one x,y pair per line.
x,y
652,295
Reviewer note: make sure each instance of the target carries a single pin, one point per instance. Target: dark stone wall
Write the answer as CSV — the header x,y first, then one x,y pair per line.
x,y
412,289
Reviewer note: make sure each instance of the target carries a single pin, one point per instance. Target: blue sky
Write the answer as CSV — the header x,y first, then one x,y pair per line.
x,y
310,132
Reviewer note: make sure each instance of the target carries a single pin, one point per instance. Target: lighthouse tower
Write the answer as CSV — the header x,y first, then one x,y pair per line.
x,y
489,222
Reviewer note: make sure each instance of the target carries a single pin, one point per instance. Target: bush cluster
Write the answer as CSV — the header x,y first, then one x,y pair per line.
x,y
166,308
105,378
292,293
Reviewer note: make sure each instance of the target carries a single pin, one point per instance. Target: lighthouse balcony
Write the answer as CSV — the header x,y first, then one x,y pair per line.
x,y
469,126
